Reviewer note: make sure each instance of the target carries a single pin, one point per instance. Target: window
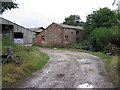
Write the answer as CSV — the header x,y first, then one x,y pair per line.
x,y
66,38
77,32
71,32
18,35
43,38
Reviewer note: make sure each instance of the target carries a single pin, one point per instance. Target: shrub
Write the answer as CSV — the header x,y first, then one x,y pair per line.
x,y
74,46
100,37
87,46
7,42
57,46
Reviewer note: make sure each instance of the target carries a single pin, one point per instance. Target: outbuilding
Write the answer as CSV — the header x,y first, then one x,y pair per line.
x,y
17,33
59,34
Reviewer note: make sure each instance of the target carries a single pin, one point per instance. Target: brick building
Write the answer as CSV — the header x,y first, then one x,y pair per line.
x,y
59,34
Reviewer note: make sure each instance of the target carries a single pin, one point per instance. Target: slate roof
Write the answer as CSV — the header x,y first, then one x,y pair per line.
x,y
70,27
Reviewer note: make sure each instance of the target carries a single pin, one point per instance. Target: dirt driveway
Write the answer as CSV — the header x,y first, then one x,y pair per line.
x,y
68,69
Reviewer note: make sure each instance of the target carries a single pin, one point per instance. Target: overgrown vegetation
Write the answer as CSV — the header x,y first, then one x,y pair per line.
x,y
100,38
112,67
32,60
73,20
104,17
8,6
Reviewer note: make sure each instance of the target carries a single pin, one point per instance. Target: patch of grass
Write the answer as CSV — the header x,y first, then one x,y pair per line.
x,y
112,67
32,60
0,47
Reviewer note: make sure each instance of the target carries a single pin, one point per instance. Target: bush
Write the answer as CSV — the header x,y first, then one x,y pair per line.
x,y
106,49
57,46
7,42
74,46
100,37
87,46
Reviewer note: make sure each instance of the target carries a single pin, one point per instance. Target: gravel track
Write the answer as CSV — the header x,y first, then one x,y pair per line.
x,y
69,69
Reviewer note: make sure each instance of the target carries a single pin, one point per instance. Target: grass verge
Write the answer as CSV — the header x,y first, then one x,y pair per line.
x,y
112,67
32,60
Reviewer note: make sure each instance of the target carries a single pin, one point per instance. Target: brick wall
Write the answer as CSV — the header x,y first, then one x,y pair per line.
x,y
38,39
71,35
80,35
54,34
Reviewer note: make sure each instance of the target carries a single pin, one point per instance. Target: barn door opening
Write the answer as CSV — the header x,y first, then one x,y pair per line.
x,y
18,37
7,30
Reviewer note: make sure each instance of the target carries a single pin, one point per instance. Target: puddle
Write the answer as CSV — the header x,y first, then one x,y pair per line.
x,y
85,85
47,71
84,61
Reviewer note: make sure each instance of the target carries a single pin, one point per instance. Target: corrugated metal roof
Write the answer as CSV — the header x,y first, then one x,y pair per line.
x,y
40,30
5,21
36,29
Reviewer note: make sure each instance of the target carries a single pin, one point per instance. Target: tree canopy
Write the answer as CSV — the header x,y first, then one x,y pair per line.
x,y
8,6
100,18
73,20
100,37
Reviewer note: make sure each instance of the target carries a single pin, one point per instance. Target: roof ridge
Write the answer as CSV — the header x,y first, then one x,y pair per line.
x,y
69,26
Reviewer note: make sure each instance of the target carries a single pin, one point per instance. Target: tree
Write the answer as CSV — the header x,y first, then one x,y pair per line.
x,y
100,18
100,37
116,36
8,6
73,20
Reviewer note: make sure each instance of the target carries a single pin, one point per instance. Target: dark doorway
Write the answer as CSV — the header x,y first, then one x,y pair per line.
x,y
77,32
7,30
43,38
66,38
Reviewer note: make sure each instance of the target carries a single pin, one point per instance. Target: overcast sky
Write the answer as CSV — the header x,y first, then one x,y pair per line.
x,y
41,13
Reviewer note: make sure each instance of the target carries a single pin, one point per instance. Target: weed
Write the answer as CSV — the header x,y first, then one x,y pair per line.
x,y
32,60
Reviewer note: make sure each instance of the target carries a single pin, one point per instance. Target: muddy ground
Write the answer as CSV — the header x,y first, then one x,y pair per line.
x,y
69,69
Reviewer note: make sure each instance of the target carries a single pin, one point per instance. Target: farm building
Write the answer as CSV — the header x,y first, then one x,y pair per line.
x,y
59,34
17,33
37,30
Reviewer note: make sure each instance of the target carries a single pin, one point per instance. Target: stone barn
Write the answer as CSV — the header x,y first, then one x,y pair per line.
x,y
17,33
59,34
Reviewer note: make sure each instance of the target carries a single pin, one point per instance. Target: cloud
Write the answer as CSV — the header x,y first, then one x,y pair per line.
x,y
34,13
